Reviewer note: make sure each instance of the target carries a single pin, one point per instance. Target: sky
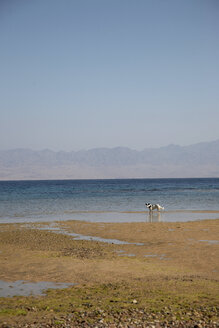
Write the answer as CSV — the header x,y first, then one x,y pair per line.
x,y
82,74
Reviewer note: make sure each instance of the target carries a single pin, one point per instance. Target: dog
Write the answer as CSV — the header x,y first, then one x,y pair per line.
x,y
152,207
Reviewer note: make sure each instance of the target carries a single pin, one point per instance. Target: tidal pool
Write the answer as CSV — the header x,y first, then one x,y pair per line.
x,y
77,236
26,288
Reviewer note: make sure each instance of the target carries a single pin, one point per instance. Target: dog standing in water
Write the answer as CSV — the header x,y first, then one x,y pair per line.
x,y
152,207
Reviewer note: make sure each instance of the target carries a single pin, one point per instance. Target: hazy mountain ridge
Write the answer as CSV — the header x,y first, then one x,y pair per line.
x,y
198,160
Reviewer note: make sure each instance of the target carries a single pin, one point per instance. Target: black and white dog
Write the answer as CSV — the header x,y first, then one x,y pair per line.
x,y
152,207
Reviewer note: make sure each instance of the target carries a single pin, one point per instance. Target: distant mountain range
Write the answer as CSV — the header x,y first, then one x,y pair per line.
x,y
198,160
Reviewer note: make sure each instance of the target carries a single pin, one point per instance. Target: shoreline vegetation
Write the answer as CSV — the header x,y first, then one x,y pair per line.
x,y
162,274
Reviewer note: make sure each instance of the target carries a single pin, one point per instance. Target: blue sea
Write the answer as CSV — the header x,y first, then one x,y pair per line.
x,y
108,200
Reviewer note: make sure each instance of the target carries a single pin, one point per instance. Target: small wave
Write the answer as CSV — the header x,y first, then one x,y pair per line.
x,y
87,212
193,211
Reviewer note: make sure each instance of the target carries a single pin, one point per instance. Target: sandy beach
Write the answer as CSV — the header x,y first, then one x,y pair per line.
x,y
122,274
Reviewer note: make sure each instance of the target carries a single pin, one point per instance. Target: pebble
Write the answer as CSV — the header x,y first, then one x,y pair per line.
x,y
131,319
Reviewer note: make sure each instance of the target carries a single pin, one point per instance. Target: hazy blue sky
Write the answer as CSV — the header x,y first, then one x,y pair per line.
x,y
104,73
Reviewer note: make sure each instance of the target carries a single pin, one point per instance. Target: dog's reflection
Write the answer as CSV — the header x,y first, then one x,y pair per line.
x,y
154,216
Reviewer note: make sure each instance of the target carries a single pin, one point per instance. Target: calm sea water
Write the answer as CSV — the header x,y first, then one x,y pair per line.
x,y
108,200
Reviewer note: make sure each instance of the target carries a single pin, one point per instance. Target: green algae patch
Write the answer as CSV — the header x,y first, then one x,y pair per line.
x,y
12,312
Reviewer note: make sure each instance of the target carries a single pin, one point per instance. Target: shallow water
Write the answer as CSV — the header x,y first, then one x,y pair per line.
x,y
108,200
212,242
25,288
141,216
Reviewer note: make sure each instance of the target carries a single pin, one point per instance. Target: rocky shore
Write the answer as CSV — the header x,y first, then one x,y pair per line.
x,y
127,319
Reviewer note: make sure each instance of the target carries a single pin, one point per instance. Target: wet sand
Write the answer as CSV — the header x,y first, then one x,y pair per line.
x,y
159,263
